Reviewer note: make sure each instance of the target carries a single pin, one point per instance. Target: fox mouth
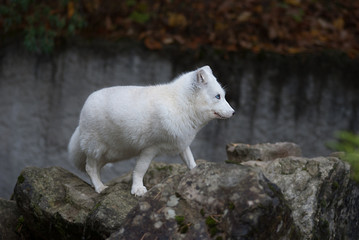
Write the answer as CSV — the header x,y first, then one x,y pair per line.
x,y
219,115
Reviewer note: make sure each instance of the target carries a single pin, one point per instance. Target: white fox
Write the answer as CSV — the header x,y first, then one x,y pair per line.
x,y
122,122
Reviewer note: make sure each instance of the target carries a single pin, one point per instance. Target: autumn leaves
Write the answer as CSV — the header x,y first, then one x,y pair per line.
x,y
281,26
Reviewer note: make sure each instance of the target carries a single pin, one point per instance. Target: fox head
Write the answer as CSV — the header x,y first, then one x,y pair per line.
x,y
211,96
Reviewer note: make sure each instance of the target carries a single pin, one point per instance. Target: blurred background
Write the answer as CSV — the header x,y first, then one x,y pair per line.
x,y
290,68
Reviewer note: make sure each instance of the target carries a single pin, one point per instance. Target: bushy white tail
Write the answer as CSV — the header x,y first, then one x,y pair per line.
x,y
75,154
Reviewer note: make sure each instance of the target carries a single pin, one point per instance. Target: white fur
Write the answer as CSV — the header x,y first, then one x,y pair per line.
x,y
122,122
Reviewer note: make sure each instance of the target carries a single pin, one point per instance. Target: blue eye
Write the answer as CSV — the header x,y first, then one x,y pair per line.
x,y
218,96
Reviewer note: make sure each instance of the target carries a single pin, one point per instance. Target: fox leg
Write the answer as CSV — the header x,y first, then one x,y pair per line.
x,y
142,164
187,157
93,170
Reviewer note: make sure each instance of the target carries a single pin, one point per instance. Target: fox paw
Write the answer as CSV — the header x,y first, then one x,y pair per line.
x,y
138,190
99,189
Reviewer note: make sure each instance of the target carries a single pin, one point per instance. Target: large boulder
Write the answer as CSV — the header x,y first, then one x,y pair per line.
x,y
54,202
212,201
318,190
58,205
314,189
240,152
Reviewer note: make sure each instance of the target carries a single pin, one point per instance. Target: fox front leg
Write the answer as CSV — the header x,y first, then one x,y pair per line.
x,y
187,157
142,164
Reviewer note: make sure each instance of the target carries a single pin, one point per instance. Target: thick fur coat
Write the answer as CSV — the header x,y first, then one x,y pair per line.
x,y
122,122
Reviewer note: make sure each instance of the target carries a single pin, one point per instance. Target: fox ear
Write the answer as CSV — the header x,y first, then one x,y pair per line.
x,y
201,77
207,68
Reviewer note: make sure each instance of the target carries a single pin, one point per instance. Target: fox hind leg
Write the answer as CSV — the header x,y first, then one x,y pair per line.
x,y
93,170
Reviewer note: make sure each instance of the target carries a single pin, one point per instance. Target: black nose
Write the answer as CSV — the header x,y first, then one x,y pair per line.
x,y
234,112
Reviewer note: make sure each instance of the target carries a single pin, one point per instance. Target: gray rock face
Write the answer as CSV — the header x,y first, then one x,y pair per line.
x,y
313,188
58,205
54,202
211,201
109,212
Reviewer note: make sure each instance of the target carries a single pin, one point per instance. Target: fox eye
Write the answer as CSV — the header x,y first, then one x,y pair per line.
x,y
218,96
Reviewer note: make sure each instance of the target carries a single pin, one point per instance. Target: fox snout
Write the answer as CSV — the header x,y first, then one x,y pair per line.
x,y
225,112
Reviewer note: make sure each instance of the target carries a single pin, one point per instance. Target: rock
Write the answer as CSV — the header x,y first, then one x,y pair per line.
x,y
54,202
348,221
116,201
276,198
211,201
313,189
110,211
239,152
57,203
11,222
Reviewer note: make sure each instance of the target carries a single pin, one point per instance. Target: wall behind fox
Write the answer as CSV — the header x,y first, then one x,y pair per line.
x,y
302,99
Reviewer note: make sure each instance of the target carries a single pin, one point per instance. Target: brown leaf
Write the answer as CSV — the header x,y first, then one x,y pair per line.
x,y
167,40
244,16
272,32
108,24
338,23
193,43
179,39
231,48
153,44
70,9
293,2
293,50
177,20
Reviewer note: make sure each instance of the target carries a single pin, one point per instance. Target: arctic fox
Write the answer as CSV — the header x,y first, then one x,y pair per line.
x,y
122,122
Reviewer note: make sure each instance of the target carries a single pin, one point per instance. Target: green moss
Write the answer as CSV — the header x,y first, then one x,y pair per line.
x,y
178,195
165,168
335,185
231,206
179,220
97,206
182,225
323,231
323,203
20,223
232,162
202,212
212,226
210,222
21,179
183,229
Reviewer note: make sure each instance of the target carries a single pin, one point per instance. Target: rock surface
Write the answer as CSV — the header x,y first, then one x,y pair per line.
x,y
57,203
314,189
54,202
211,201
240,152
11,221
290,197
